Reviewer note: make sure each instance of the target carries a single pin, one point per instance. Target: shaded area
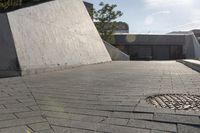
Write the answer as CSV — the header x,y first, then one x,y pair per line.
x,y
9,65
10,5
151,47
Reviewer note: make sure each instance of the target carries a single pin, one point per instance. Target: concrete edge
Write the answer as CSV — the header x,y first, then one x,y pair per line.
x,y
191,65
9,73
55,69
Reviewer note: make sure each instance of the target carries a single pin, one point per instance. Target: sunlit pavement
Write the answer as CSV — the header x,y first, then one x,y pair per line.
x,y
99,98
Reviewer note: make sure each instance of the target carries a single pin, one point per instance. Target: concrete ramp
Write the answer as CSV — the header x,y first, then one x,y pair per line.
x,y
115,53
53,35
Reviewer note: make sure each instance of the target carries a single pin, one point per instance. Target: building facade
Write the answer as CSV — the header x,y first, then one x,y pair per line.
x,y
158,47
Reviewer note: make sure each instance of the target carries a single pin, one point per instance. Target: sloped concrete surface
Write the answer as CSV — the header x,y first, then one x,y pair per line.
x,y
115,53
55,34
104,98
193,64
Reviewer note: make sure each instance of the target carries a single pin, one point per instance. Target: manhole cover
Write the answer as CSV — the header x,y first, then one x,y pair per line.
x,y
176,101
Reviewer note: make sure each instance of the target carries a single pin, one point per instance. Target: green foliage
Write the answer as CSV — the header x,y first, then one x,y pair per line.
x,y
9,5
5,4
105,20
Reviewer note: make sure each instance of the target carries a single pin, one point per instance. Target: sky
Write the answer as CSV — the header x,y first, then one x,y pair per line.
x,y
157,16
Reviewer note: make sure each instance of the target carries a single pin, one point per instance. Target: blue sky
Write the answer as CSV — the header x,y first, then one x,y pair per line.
x,y
157,16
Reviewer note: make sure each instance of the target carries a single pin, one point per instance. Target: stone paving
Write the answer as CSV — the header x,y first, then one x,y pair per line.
x,y
103,98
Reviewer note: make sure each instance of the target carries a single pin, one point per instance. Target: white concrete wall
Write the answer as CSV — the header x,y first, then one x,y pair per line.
x,y
115,53
56,33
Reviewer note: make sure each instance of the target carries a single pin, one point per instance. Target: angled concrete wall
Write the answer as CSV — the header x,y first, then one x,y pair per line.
x,y
55,34
8,58
115,53
191,46
196,46
188,48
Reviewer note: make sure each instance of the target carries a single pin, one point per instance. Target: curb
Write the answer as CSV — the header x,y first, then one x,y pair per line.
x,y
192,65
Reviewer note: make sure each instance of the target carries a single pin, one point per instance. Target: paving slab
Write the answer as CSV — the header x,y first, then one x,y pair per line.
x,y
186,119
188,129
102,98
153,125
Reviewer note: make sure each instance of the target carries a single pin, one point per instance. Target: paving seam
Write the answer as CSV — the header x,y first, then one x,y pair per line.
x,y
43,116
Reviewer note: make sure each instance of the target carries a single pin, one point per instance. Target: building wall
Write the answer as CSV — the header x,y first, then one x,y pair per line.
x,y
140,39
8,57
196,46
156,47
189,47
54,34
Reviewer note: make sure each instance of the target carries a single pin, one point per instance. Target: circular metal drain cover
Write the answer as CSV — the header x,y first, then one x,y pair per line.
x,y
176,101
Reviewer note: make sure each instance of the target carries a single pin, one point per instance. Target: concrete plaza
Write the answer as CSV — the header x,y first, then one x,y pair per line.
x,y
106,98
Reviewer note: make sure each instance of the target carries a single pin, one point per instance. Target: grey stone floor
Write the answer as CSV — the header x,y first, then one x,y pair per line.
x,y
104,98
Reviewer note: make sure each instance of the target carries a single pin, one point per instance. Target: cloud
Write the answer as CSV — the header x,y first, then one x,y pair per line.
x,y
149,20
168,3
195,14
186,26
161,12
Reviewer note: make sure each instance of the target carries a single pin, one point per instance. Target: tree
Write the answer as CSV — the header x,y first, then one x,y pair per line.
x,y
9,5
105,20
4,4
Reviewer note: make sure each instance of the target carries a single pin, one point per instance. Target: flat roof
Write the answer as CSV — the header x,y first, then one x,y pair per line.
x,y
152,34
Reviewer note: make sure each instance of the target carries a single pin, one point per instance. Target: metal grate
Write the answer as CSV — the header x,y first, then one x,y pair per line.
x,y
176,101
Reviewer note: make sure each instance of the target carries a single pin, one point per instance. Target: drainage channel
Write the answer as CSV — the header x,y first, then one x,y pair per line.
x,y
176,101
